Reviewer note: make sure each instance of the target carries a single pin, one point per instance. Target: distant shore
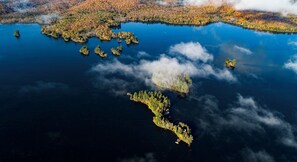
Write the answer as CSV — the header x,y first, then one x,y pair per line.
x,y
97,18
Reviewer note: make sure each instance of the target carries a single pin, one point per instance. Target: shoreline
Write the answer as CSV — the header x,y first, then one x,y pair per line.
x,y
168,24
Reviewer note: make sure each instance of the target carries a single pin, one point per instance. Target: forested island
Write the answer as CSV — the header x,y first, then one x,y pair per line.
x,y
84,50
100,52
231,64
17,34
117,51
160,105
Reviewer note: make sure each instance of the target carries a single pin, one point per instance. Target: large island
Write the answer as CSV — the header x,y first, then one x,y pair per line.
x,y
159,105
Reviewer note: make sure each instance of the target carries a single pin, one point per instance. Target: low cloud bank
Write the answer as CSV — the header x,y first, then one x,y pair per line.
x,y
47,19
167,69
280,6
22,6
245,115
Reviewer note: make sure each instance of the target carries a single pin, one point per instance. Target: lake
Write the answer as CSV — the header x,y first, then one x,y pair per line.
x,y
58,105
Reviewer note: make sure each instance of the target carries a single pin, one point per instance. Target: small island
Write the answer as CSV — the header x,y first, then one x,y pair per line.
x,y
159,105
17,34
100,52
231,64
115,51
84,50
178,83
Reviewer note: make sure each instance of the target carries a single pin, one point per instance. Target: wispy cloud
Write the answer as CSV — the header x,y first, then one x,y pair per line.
x,y
249,115
47,19
293,43
142,54
206,71
42,86
249,155
148,157
245,115
243,50
261,33
115,67
291,64
112,76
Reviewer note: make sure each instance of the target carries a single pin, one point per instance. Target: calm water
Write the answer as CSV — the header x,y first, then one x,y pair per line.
x,y
57,105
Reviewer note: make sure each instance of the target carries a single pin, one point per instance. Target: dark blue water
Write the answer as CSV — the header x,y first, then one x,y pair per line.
x,y
55,107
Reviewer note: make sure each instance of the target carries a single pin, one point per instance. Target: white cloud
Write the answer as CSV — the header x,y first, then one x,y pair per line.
x,y
249,155
192,50
281,6
168,66
243,50
292,64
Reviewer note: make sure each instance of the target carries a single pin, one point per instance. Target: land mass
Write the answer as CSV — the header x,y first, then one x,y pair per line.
x,y
80,19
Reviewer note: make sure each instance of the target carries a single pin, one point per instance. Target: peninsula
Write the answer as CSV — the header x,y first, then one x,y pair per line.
x,y
96,18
